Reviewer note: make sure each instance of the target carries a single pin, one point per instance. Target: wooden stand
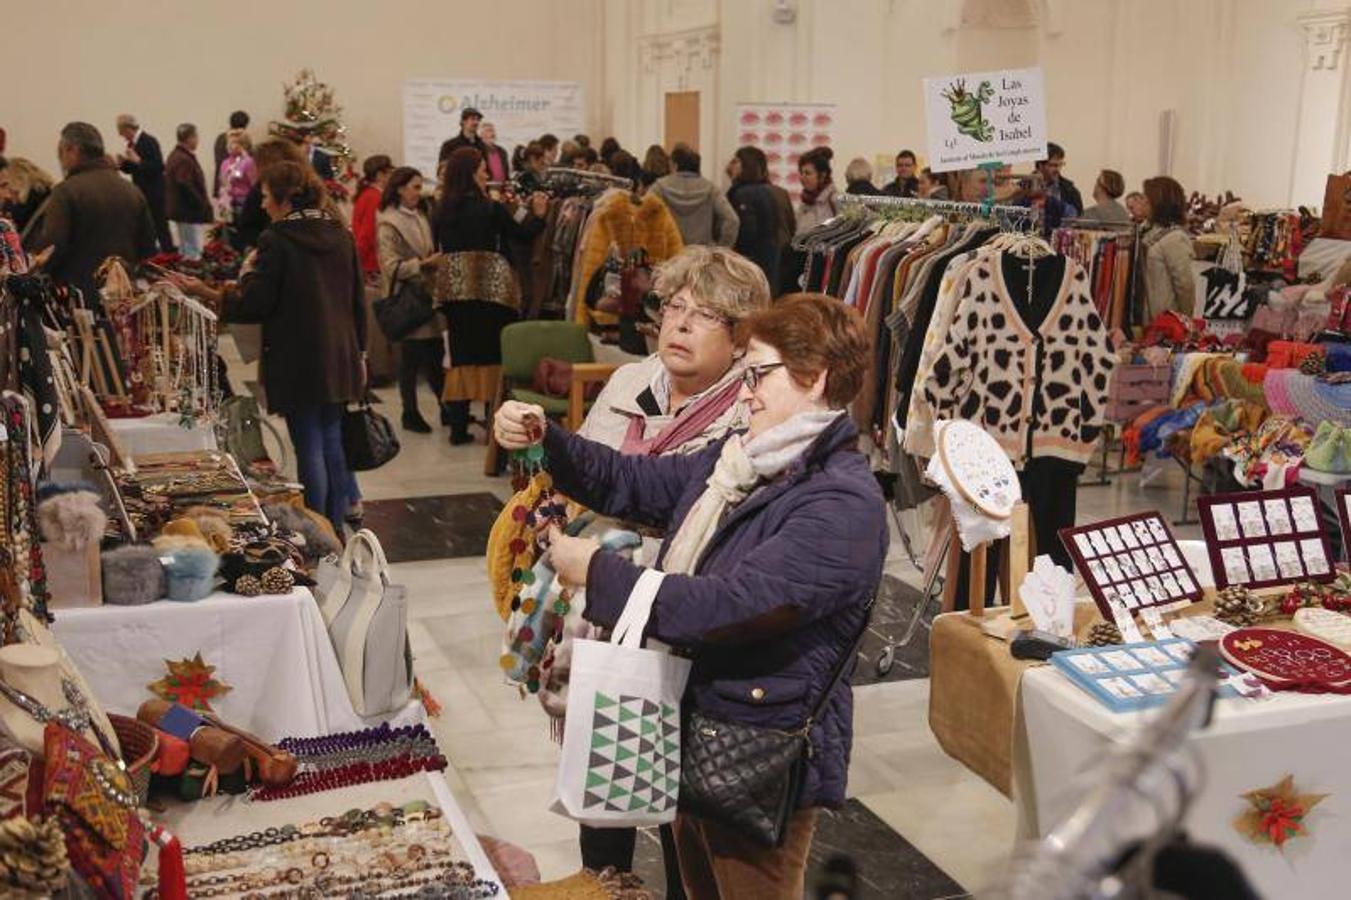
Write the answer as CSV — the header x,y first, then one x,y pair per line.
x,y
1003,621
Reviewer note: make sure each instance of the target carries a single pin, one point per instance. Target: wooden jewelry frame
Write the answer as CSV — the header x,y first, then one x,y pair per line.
x,y
1122,550
1231,533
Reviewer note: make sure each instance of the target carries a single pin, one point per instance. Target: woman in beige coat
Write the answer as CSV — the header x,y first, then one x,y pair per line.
x,y
1170,282
404,242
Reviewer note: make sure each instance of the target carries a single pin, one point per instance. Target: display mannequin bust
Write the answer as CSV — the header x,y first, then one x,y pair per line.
x,y
36,671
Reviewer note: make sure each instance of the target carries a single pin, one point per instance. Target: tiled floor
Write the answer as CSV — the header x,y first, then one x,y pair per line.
x,y
908,793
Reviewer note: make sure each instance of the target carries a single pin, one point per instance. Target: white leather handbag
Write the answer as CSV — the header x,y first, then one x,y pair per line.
x,y
367,620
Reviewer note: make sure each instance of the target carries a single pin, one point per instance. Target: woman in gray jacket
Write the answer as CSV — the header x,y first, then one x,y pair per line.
x,y
1169,280
404,242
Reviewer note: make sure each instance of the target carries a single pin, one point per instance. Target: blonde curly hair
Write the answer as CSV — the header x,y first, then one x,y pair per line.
x,y
718,279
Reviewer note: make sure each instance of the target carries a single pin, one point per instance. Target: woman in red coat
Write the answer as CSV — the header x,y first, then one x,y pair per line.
x,y
375,172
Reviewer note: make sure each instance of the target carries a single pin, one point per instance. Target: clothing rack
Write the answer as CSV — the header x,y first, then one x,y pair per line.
x,y
1018,216
588,175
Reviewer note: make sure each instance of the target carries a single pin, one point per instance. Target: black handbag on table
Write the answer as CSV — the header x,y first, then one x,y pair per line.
x,y
748,777
405,310
368,439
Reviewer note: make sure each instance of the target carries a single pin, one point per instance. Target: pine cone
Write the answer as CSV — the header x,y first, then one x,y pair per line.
x,y
32,856
248,585
1237,606
1104,634
1314,364
277,580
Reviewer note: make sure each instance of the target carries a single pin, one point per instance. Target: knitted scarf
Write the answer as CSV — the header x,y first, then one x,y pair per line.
x,y
742,465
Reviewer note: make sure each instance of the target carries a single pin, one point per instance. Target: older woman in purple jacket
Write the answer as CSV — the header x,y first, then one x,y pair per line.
x,y
775,543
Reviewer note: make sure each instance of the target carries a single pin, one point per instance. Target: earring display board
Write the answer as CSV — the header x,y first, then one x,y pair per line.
x,y
1344,516
1264,539
1131,563
1126,677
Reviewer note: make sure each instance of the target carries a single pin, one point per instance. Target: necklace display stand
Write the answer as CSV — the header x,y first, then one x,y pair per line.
x,y
36,671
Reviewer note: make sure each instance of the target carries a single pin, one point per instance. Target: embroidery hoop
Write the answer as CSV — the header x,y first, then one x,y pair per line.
x,y
979,468
1236,654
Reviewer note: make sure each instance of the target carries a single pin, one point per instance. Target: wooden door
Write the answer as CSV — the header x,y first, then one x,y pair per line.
x,y
682,119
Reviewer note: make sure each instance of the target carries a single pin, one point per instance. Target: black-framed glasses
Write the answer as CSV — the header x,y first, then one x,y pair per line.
x,y
753,375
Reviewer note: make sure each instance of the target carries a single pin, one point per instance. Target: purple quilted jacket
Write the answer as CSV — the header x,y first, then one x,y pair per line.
x,y
780,592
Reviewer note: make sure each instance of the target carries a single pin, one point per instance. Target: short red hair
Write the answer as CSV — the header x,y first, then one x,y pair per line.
x,y
814,334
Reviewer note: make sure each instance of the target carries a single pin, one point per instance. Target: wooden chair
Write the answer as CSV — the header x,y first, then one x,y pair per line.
x,y
524,344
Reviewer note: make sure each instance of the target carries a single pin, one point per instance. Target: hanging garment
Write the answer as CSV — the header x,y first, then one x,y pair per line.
x,y
1040,391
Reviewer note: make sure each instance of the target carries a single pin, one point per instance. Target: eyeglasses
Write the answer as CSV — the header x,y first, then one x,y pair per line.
x,y
753,375
698,316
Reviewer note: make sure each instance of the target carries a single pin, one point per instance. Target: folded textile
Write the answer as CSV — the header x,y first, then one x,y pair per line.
x,y
1274,386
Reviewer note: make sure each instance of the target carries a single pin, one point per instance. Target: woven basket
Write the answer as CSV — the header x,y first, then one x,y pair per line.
x,y
140,744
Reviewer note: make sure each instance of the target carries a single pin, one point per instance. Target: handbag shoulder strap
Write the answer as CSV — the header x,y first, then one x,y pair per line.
x,y
840,665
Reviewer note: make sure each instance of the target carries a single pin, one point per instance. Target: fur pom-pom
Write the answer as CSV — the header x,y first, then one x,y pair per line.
x,y
168,543
191,572
318,541
214,526
72,519
132,576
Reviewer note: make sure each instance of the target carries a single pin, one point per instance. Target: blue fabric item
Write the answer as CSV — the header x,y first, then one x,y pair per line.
x,y
180,722
781,590
1338,357
1155,435
321,465
190,573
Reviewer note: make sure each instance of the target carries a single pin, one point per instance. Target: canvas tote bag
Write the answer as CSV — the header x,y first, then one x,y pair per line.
x,y
367,620
620,765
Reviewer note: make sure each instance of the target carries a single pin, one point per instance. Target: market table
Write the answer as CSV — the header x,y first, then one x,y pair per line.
x,y
272,650
205,821
162,433
973,686
1251,744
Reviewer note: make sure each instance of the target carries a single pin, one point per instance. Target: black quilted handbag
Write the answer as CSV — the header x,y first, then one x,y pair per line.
x,y
747,777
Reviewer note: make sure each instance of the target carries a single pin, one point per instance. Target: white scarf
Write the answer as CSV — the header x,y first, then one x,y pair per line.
x,y
742,465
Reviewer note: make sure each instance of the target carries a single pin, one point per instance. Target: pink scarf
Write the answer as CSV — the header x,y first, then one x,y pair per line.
x,y
691,422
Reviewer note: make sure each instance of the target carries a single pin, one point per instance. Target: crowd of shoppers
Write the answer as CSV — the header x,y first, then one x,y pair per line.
x,y
730,443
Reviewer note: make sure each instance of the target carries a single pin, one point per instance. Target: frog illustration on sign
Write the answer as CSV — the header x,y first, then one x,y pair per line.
x,y
968,110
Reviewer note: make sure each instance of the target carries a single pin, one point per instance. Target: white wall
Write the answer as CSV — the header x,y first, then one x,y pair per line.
x,y
1230,69
169,61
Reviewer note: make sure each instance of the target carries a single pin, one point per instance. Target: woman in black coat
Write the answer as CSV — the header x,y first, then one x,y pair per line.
x,y
468,221
751,196
305,288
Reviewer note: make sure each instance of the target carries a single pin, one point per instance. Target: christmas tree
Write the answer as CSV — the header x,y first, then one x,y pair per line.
x,y
312,114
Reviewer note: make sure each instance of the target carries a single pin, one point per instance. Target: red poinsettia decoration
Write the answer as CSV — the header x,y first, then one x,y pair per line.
x,y
1276,813
190,682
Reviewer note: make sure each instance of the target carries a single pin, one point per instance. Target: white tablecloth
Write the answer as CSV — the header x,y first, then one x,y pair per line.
x,y
1061,731
272,650
161,433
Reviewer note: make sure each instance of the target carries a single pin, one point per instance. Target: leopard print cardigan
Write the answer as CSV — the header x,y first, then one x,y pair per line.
x,y
991,364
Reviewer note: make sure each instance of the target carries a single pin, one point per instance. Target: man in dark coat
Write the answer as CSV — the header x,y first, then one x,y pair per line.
x,y
468,136
144,162
91,215
187,203
239,120
1056,184
320,161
